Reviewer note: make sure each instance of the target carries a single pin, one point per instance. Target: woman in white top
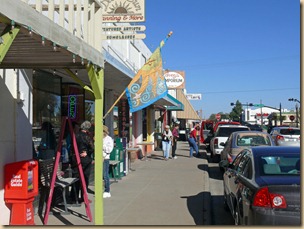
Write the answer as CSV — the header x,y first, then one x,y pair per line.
x,y
166,141
108,145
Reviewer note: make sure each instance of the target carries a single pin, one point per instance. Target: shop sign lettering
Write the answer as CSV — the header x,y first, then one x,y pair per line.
x,y
174,80
123,10
28,214
72,102
16,181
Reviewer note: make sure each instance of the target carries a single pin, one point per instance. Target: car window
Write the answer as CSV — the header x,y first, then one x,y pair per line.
x,y
225,132
253,140
247,171
237,163
290,131
279,165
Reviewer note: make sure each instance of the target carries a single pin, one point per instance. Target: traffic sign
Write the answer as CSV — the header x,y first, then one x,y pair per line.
x,y
292,117
258,105
218,116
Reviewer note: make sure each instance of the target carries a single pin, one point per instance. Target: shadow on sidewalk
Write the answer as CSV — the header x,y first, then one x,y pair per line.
x,y
198,206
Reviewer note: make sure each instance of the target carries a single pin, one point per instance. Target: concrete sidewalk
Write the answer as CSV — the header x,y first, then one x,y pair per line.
x,y
158,192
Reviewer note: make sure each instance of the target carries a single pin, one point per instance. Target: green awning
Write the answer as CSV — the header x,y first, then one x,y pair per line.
x,y
178,107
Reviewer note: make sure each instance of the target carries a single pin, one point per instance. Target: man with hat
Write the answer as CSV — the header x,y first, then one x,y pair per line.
x,y
108,145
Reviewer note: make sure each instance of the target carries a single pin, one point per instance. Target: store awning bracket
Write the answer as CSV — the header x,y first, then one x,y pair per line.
x,y
7,38
86,87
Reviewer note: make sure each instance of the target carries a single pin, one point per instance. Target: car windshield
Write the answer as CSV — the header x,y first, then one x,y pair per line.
x,y
225,131
253,140
290,131
279,165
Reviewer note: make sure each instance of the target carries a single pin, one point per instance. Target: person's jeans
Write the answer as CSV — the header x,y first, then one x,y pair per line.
x,y
106,178
192,145
166,148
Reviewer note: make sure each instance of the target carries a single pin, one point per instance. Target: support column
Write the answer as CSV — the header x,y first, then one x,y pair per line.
x,y
150,126
109,120
97,82
137,127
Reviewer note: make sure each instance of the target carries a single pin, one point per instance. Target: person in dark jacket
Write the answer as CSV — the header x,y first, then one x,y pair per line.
x,y
85,147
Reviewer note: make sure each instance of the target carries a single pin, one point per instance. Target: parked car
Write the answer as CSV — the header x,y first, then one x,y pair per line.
x,y
286,136
221,136
243,139
262,186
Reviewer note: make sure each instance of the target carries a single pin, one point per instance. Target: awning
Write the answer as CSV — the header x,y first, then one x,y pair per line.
x,y
188,112
178,107
168,100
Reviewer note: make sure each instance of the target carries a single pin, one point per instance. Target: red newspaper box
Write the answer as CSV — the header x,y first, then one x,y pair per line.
x,y
21,187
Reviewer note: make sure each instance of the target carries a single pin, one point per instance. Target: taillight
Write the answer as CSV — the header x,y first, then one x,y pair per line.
x,y
265,199
215,143
229,158
280,137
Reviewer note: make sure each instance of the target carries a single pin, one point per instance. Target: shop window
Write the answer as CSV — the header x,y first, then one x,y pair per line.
x,y
46,113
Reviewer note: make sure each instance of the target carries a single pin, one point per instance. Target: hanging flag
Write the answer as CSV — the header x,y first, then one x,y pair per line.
x,y
149,84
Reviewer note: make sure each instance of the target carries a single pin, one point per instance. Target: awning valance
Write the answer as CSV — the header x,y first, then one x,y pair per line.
x,y
178,107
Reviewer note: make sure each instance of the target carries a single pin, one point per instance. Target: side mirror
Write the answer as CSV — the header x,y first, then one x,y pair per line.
x,y
224,163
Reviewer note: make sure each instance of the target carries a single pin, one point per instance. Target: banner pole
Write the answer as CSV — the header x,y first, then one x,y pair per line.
x,y
114,104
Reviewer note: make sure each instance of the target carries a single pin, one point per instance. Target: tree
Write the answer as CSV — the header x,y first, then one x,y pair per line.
x,y
236,112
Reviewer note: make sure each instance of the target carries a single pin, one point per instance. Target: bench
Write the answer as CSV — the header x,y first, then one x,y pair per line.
x,y
45,173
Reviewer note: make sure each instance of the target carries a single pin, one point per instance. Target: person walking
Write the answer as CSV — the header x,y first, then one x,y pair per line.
x,y
166,142
193,141
108,145
85,148
175,135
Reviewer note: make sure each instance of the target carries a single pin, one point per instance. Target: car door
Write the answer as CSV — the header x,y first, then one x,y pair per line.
x,y
227,148
229,179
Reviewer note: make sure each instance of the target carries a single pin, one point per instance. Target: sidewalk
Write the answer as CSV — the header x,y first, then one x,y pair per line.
x,y
158,192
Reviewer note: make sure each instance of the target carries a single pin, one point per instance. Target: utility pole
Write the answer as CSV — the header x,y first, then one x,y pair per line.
x,y
261,114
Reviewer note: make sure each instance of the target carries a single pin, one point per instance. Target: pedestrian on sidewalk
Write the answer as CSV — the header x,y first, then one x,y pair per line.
x,y
85,147
167,141
175,138
193,140
108,145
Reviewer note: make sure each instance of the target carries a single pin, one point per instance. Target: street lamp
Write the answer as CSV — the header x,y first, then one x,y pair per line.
x,y
297,114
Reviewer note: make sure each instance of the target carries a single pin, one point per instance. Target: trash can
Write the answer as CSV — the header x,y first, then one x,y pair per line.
x,y
21,187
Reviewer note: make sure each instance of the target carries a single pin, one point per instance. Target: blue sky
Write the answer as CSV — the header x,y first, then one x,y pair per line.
x,y
230,50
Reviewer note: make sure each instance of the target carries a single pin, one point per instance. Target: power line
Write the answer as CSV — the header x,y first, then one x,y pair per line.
x,y
256,90
241,62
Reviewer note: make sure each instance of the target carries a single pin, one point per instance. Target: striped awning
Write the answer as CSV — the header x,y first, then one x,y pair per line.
x,y
188,112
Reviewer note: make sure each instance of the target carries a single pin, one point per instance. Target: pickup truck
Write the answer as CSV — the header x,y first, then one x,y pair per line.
x,y
221,136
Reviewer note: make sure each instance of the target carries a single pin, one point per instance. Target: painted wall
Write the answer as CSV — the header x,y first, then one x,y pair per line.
x,y
15,122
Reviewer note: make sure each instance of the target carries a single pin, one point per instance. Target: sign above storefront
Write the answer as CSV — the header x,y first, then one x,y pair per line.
x,y
175,79
123,11
131,28
136,36
194,96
